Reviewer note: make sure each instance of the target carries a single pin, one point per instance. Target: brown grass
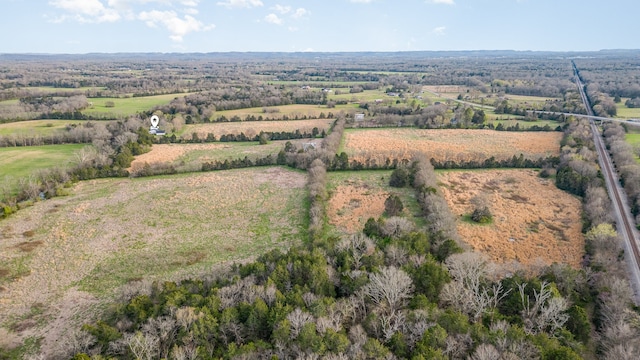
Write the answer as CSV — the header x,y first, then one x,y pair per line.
x,y
354,197
351,205
449,144
29,246
533,221
110,231
253,128
168,153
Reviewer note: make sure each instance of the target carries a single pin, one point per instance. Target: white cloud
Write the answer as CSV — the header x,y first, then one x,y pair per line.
x,y
300,12
178,27
446,2
282,9
247,4
177,16
292,28
87,10
273,19
362,1
440,30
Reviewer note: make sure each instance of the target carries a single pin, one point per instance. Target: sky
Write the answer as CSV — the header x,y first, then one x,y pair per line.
x,y
109,26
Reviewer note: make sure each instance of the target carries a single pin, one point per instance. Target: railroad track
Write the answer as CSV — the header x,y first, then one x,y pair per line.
x,y
624,223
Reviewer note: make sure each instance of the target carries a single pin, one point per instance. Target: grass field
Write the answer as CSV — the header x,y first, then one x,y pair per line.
x,y
36,127
253,128
355,196
127,106
59,89
276,112
533,221
19,162
193,155
366,95
633,138
448,144
625,112
79,249
523,124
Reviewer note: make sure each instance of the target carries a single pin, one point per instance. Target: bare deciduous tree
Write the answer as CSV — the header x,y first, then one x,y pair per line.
x,y
297,319
545,313
389,289
143,346
396,227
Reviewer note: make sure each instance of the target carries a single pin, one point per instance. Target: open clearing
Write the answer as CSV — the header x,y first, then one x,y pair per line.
x,y
36,127
276,112
253,128
127,106
357,196
184,154
627,113
448,144
533,221
510,120
114,231
19,162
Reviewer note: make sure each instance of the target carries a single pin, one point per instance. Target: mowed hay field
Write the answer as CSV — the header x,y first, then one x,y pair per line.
x,y
19,162
127,106
253,128
354,197
36,127
448,144
276,112
76,249
533,221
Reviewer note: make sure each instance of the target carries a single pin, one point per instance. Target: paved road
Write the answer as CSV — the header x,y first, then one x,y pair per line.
x,y
624,222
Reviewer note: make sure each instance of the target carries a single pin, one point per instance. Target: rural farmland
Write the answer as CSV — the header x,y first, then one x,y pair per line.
x,y
392,205
456,145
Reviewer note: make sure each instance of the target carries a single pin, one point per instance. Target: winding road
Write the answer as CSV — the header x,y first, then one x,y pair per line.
x,y
624,222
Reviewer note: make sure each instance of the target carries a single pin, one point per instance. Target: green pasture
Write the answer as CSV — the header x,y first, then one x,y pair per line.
x,y
20,162
513,120
318,83
9,102
366,95
231,151
61,89
625,112
36,127
276,112
633,138
127,106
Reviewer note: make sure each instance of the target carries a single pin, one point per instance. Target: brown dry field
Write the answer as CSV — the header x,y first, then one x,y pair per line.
x,y
449,144
352,204
253,128
168,153
63,258
357,196
533,221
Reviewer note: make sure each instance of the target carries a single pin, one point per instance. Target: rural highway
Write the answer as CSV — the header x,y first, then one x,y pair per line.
x,y
624,222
